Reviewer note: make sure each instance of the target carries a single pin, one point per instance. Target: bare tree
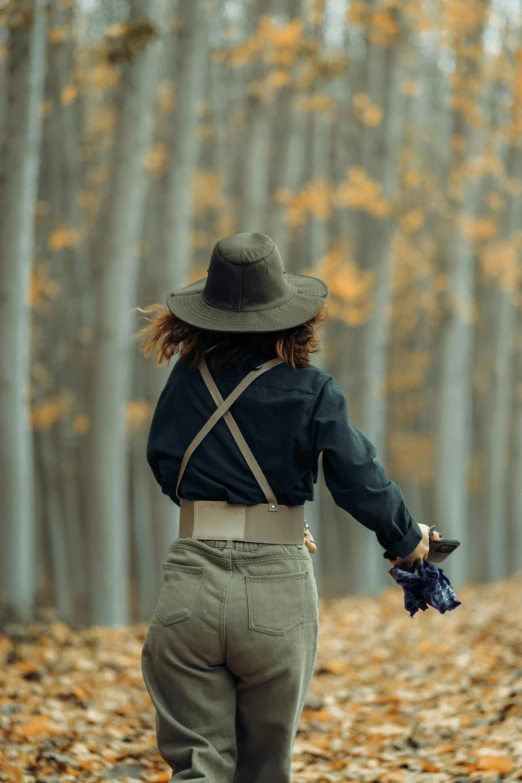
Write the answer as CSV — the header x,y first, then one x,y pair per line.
x,y
19,177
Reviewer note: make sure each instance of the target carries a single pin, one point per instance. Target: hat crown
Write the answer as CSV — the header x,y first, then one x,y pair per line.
x,y
246,272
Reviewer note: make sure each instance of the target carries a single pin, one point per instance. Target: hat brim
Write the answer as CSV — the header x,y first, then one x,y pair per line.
x,y
188,304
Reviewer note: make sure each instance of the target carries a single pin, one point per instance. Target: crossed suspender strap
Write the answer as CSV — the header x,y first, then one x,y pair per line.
x,y
222,411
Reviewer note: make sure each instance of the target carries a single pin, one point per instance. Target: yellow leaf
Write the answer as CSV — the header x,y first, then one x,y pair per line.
x,y
501,764
157,159
279,79
207,190
357,13
57,34
63,238
412,179
41,724
166,96
410,87
81,423
137,413
412,221
69,94
14,774
372,116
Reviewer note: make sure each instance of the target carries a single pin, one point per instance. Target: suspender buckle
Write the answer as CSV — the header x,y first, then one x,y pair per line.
x,y
272,507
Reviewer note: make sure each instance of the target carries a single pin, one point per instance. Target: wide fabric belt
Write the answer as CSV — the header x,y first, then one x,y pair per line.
x,y
217,519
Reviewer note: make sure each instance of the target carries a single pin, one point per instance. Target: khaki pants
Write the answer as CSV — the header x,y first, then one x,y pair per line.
x,y
229,656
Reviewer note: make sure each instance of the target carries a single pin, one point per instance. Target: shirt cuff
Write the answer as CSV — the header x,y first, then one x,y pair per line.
x,y
408,543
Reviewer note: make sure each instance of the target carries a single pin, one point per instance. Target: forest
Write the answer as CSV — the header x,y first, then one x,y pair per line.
x,y
378,142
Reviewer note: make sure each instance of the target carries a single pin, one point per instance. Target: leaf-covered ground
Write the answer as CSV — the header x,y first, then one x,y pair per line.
x,y
435,698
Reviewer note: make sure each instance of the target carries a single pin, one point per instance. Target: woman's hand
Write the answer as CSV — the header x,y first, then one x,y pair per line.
x,y
309,541
421,551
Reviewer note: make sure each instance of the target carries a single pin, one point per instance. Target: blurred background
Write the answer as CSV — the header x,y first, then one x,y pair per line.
x,y
377,141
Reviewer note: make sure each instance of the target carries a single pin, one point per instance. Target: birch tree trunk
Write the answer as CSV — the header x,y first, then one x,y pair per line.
x,y
175,194
453,425
115,291
380,160
19,177
516,461
499,419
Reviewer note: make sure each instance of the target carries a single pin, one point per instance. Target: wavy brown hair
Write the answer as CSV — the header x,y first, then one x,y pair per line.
x,y
167,335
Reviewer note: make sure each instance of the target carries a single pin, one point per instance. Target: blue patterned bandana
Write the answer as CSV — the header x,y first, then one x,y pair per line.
x,y
427,585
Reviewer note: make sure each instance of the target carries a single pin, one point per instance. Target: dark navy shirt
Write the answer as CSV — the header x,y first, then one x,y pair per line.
x,y
288,416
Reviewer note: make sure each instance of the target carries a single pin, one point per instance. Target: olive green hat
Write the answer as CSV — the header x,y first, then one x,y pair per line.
x,y
247,289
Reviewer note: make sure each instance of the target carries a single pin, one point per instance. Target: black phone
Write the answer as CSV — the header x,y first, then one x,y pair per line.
x,y
439,550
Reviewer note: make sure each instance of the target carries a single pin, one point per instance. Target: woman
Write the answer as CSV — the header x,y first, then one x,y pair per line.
x,y
232,642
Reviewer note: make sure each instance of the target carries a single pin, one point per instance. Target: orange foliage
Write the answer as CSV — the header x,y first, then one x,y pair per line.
x,y
500,261
461,18
102,76
63,237
58,34
412,455
165,96
412,178
81,423
137,414
157,159
100,121
410,373
351,288
314,199
198,240
226,224
360,191
382,27
43,287
372,713
317,102
367,112
46,413
412,221
69,94
410,87
357,13
89,201
477,228
207,191
42,376
278,43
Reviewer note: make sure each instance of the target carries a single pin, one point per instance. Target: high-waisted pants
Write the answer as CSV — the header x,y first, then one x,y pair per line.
x,y
229,656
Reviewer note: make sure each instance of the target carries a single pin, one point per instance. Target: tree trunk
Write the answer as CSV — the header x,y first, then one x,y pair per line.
x,y
453,424
499,419
115,292
380,160
20,155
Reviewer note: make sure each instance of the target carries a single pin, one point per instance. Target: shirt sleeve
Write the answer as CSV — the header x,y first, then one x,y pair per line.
x,y
159,443
354,476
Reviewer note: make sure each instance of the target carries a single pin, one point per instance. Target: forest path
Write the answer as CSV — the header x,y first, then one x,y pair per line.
x,y
394,699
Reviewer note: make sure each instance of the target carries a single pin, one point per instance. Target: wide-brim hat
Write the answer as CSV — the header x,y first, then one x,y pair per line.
x,y
247,289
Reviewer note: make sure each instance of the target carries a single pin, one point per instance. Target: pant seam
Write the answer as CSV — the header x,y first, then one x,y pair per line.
x,y
223,618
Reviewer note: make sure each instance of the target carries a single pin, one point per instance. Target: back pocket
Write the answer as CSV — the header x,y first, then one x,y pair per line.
x,y
181,585
276,603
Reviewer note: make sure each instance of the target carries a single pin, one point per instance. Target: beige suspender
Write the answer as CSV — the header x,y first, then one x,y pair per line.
x,y
222,410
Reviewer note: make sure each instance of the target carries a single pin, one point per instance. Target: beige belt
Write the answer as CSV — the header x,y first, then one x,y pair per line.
x,y
221,520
